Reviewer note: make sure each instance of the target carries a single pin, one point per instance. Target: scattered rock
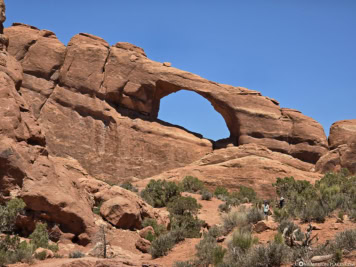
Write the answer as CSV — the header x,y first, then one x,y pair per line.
x,y
143,245
167,64
264,225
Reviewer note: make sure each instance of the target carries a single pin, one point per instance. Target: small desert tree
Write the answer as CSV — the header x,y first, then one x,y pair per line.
x,y
102,243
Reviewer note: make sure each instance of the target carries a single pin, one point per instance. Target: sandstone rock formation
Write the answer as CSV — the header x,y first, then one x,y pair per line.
x,y
249,165
77,114
342,141
117,95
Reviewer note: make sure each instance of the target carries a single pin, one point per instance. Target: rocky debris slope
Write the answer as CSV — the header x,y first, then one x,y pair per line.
x,y
116,91
342,141
250,165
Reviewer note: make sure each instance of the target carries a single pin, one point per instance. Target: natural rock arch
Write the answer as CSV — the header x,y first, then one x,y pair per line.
x,y
163,90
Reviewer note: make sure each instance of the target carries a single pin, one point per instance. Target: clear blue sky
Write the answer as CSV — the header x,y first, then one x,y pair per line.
x,y
300,52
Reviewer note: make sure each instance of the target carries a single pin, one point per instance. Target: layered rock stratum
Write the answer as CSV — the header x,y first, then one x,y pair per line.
x,y
77,115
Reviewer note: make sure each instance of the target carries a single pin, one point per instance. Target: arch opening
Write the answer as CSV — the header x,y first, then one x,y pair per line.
x,y
196,114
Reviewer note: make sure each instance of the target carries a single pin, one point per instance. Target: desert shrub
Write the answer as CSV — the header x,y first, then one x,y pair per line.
x,y
9,213
96,208
41,255
341,215
150,236
129,186
76,254
313,212
242,240
183,205
255,215
189,225
272,254
39,237
224,207
12,250
209,252
315,202
215,231
184,264
158,228
191,184
161,245
280,215
246,193
183,216
221,191
346,240
159,193
234,219
278,238
206,195
53,247
290,226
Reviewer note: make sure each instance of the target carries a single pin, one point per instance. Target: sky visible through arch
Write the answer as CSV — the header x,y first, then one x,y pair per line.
x,y
300,52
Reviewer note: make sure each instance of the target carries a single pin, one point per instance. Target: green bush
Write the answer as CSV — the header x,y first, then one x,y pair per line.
x,y
184,264
314,202
159,193
161,245
53,247
129,186
183,205
255,215
221,191
9,213
76,254
215,231
39,237
224,207
290,226
209,252
280,215
189,225
242,240
191,184
150,236
246,193
234,219
206,195
41,255
96,209
313,212
12,250
158,228
272,254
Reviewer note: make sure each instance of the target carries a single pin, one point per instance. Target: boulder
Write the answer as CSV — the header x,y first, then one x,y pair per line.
x,y
341,132
126,210
264,225
342,140
143,245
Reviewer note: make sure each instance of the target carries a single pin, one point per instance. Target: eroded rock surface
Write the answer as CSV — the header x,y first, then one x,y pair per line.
x,y
250,165
342,141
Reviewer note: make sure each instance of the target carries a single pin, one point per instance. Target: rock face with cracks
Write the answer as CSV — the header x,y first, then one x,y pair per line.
x,y
342,141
